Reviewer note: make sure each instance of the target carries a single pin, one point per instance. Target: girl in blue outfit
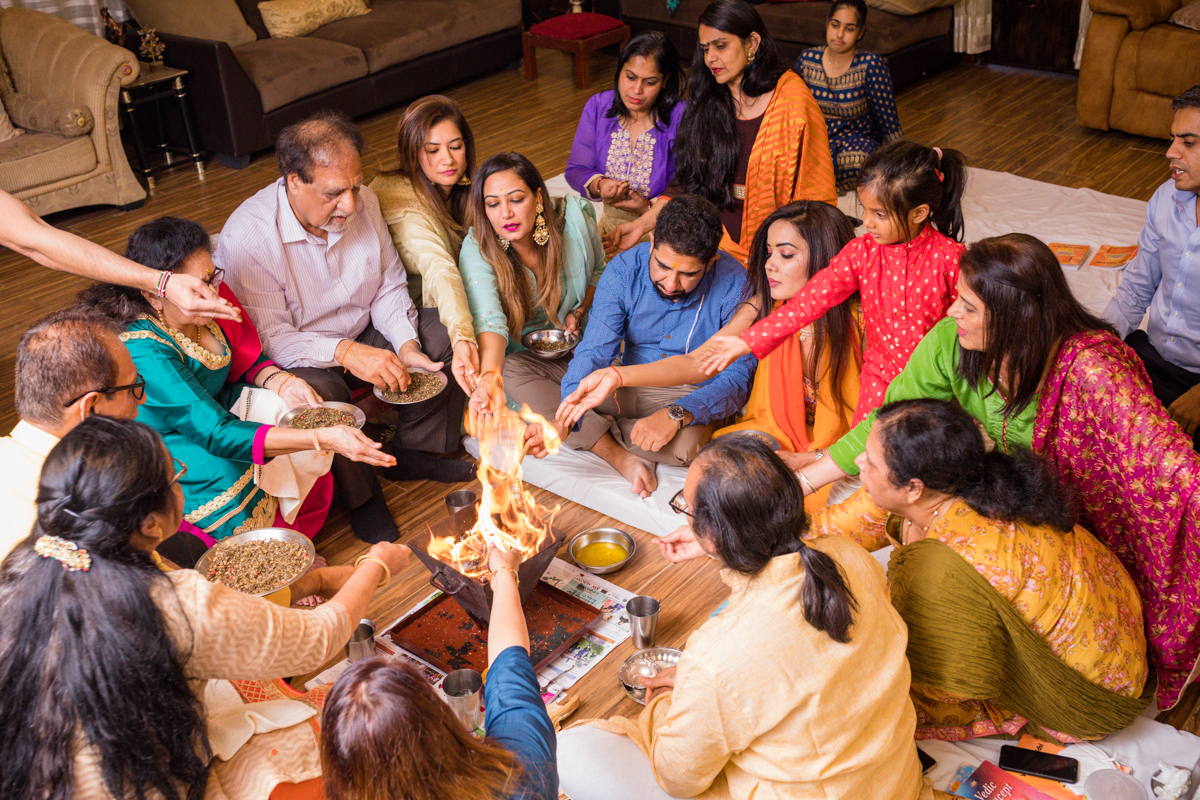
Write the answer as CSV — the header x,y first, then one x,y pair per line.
x,y
853,89
387,733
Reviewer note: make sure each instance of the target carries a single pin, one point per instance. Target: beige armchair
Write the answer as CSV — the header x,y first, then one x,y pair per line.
x,y
48,58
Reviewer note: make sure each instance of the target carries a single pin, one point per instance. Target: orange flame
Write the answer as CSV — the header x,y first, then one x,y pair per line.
x,y
509,516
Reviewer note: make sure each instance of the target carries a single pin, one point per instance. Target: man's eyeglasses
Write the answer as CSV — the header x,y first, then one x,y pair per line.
x,y
137,389
180,469
679,504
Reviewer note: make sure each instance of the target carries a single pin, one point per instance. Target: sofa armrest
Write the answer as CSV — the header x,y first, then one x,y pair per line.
x,y
1140,13
224,100
1097,70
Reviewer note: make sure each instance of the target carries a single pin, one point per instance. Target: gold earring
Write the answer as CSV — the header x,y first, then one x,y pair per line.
x,y
465,180
541,233
503,242
750,58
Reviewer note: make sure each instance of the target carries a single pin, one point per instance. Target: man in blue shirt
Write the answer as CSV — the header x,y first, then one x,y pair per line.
x,y
661,299
1161,279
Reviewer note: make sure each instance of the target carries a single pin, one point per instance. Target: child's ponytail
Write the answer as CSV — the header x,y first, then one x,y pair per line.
x,y
905,175
947,215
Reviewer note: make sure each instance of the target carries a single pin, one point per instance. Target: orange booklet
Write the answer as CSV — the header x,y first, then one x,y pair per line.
x,y
1109,257
1070,255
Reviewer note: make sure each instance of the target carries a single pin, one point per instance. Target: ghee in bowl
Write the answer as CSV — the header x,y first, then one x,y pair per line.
x,y
601,550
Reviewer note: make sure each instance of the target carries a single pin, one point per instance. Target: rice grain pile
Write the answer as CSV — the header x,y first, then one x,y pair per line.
x,y
260,566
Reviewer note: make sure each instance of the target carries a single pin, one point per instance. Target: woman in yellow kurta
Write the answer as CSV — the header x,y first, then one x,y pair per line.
x,y
426,202
752,138
103,655
1018,618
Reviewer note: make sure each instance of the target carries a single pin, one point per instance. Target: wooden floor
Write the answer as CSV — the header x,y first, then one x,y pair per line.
x,y
1003,119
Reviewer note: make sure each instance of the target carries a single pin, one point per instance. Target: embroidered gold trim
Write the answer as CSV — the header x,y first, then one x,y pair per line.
x,y
233,512
194,349
127,335
739,191
262,516
632,161
223,499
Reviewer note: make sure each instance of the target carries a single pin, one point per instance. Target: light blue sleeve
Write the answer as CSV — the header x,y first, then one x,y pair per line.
x,y
1141,278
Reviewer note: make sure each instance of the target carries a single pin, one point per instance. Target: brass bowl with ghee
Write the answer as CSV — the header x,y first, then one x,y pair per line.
x,y
601,550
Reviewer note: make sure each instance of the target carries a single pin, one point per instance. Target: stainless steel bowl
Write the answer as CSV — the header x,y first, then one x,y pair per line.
x,y
645,664
441,376
283,534
360,418
607,535
552,336
771,441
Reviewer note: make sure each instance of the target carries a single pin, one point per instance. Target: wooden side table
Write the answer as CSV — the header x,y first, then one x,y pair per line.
x,y
579,34
154,84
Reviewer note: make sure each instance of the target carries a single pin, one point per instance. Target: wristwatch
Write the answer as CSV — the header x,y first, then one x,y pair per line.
x,y
677,413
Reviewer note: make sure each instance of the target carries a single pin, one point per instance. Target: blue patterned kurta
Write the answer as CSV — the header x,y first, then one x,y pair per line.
x,y
859,109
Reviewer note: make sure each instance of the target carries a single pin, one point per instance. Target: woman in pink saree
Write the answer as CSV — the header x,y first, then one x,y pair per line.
x,y
1020,355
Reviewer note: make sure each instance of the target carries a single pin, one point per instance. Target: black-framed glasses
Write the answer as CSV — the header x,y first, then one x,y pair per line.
x,y
180,469
679,504
138,390
214,279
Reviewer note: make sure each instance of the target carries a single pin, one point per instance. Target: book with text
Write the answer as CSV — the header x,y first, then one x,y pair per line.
x,y
1110,257
989,782
1069,255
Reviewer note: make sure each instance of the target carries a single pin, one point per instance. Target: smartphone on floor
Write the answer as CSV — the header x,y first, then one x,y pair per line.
x,y
927,761
1042,765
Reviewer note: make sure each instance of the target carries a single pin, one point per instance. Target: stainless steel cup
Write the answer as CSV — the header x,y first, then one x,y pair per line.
x,y
463,498
643,620
462,689
362,641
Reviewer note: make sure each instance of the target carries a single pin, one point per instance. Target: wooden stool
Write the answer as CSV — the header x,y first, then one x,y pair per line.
x,y
573,33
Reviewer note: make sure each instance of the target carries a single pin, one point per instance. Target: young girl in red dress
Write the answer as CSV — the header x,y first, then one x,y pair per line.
x,y
905,267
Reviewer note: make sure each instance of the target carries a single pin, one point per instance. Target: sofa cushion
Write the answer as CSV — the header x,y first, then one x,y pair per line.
x,y
284,70
583,25
39,159
1165,59
7,131
48,114
219,20
302,17
1188,16
401,30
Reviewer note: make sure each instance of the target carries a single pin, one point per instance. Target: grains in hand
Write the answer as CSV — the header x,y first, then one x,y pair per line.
x,y
321,417
260,566
421,386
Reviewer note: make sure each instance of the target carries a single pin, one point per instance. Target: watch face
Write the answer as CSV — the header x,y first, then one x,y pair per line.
x,y
675,412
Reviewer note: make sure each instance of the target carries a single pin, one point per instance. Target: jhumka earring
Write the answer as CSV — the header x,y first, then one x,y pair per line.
x,y
503,242
541,233
465,180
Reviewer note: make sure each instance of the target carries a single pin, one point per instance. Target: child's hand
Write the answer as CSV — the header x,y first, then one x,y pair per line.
x,y
719,352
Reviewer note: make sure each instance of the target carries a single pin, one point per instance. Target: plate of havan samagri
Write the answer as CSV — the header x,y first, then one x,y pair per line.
x,y
422,385
326,415
258,562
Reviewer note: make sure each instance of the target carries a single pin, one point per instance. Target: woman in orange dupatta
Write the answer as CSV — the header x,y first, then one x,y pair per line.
x,y
752,138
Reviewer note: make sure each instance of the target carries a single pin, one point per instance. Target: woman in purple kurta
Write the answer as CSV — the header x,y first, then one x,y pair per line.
x,y
623,147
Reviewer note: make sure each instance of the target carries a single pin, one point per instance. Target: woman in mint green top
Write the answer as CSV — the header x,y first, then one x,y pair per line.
x,y
530,262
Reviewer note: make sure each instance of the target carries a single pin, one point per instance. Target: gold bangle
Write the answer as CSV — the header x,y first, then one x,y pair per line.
x,y
497,571
387,573
316,441
805,482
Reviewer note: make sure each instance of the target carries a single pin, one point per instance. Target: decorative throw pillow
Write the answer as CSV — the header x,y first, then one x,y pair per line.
x,y
47,115
216,20
1188,16
7,131
302,17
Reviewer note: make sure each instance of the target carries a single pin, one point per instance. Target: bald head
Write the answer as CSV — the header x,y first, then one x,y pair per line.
x,y
325,139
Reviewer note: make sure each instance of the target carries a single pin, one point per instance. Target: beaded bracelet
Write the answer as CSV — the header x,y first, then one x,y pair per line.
x,y
161,288
387,573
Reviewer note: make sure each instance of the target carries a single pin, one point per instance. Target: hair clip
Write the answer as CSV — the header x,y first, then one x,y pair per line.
x,y
72,557
939,174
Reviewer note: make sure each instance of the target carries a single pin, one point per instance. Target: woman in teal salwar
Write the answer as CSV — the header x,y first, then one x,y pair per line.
x,y
195,370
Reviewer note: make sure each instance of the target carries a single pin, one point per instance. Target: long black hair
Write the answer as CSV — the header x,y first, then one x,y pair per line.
x,y
1029,311
825,230
904,175
706,149
939,444
85,657
655,45
749,505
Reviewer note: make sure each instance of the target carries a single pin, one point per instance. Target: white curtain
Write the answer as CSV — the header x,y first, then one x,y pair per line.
x,y
82,13
1085,19
973,26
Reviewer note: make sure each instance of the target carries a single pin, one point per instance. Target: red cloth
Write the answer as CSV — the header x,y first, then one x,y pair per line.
x,y
576,26
245,347
906,289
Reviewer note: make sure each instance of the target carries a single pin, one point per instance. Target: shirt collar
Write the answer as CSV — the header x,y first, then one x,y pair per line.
x,y
1185,201
33,438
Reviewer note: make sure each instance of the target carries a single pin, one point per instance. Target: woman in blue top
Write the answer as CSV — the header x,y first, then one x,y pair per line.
x,y
530,262
387,733
853,89
623,150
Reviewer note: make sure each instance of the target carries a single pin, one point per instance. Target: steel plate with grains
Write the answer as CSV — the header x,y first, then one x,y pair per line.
x,y
259,566
310,418
421,386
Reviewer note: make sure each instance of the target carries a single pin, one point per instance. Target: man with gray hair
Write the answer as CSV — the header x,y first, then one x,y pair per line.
x,y
312,261
68,368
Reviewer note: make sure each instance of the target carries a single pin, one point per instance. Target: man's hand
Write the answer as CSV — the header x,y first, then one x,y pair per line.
x,y
1186,410
534,438
411,356
659,684
376,366
465,365
295,392
623,237
680,545
591,392
719,352
652,432
196,298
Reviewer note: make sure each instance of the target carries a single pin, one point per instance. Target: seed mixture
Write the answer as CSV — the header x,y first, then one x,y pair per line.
x,y
260,566
421,386
551,346
322,417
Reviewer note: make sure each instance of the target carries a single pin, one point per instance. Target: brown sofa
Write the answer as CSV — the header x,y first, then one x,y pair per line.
x,y
50,60
912,45
1134,63
244,94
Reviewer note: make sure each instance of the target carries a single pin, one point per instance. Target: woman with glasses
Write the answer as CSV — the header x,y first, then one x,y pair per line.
x,y
195,370
104,658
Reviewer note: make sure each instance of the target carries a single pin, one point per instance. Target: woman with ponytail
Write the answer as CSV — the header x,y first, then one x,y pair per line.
x,y
1019,620
797,687
104,657
752,138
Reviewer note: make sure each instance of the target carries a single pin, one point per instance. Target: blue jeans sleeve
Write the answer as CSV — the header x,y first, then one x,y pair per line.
x,y
516,720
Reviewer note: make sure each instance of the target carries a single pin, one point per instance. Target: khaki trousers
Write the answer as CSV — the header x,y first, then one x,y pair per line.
x,y
538,383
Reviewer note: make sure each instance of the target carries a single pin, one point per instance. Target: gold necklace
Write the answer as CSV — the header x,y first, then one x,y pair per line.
x,y
909,524
192,346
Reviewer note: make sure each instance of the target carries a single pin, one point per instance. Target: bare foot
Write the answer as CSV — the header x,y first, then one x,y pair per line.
x,y
638,471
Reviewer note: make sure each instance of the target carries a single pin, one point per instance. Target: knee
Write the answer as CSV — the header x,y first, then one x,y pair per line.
x,y
435,339
689,441
519,368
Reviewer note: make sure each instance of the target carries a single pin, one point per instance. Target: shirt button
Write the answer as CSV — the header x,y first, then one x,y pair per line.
x,y
1180,285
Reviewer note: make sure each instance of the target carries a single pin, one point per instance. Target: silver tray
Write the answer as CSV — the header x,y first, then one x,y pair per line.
x,y
441,376
360,418
285,534
550,335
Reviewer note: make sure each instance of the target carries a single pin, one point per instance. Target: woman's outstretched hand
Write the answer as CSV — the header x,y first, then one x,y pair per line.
x,y
591,392
351,443
719,352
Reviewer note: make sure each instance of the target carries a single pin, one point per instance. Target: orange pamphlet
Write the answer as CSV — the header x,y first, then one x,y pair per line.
x,y
1109,257
1070,255
1030,743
